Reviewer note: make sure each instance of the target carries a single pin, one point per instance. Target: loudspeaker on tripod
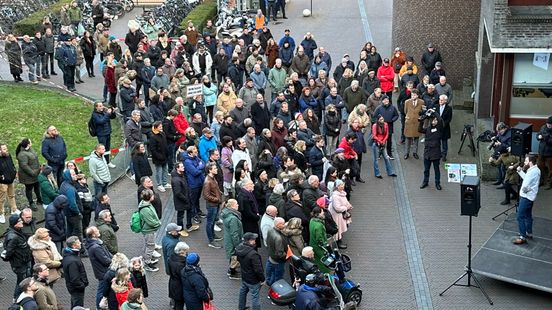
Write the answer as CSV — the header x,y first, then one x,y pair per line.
x,y
470,196
521,139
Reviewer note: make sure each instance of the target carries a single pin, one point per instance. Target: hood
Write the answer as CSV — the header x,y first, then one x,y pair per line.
x,y
186,156
89,242
190,269
119,288
69,252
291,231
243,249
226,213
144,204
37,244
204,138
60,202
67,176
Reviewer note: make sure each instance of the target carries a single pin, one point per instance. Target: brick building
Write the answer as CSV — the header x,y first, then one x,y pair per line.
x,y
514,71
452,26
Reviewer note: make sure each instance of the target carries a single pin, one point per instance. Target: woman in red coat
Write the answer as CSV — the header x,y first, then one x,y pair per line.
x,y
380,134
181,124
279,133
386,75
110,82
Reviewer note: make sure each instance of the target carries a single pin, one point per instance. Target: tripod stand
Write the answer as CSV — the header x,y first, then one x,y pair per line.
x,y
469,271
467,132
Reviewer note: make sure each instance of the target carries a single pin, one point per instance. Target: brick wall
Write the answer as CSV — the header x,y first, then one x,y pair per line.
x,y
452,26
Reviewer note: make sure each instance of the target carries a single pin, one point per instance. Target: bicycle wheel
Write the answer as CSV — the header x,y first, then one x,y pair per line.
x,y
129,5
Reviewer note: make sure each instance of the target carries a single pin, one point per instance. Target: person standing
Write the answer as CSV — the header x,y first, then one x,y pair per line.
x,y
30,55
412,109
100,259
107,234
54,220
194,283
13,50
44,295
99,169
213,199
73,213
76,279
545,153
430,57
177,262
380,134
433,130
18,252
54,151
101,117
277,249
29,168
7,178
68,60
233,233
45,253
26,300
159,152
194,168
390,115
169,242
445,112
181,199
252,271
150,225
530,173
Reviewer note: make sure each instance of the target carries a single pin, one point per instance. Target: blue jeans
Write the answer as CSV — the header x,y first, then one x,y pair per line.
x,y
32,70
99,292
100,188
375,156
524,217
427,165
161,174
255,301
444,147
172,155
212,211
274,272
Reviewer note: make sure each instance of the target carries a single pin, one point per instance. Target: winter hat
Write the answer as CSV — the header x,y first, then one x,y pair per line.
x,y
192,258
248,236
14,218
322,202
111,38
47,170
549,120
297,115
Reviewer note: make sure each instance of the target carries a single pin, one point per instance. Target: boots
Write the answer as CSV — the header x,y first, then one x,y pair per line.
x,y
341,245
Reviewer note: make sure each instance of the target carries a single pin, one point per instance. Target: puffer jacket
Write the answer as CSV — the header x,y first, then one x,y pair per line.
x,y
18,252
54,150
99,169
29,167
250,263
68,189
100,258
194,170
54,218
74,271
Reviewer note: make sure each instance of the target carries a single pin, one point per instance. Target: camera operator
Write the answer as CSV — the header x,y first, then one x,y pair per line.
x,y
512,178
432,127
500,142
545,153
445,112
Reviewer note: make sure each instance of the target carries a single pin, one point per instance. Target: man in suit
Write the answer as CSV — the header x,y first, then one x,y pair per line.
x,y
445,112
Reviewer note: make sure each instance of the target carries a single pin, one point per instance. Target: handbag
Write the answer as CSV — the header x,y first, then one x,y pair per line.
x,y
208,305
346,215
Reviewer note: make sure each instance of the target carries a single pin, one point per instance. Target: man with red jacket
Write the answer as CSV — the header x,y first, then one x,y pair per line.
x,y
386,75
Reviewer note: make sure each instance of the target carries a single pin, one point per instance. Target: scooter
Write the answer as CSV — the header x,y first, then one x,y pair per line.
x,y
345,290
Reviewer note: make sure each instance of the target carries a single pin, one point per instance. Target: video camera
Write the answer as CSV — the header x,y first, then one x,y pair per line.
x,y
493,143
425,114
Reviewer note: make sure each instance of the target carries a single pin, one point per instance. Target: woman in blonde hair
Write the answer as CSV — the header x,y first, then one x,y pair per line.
x,y
138,275
45,252
299,156
118,261
294,232
121,285
345,81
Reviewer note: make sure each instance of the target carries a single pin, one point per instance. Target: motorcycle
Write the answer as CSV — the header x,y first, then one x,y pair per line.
x,y
230,24
344,291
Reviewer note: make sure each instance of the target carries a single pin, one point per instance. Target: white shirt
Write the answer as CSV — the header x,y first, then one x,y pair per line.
x,y
530,185
441,109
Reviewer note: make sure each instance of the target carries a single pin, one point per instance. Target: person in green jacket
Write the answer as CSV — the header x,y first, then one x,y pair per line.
x,y
150,225
107,234
48,186
134,300
318,237
277,78
233,233
29,168
75,15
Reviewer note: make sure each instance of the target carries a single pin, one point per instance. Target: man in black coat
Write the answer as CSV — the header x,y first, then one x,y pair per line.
x,y
102,203
172,135
180,193
76,280
101,117
311,194
220,64
430,57
54,151
159,155
390,115
260,114
128,94
294,208
545,153
177,262
100,259
229,128
433,130
18,252
445,112
251,269
54,220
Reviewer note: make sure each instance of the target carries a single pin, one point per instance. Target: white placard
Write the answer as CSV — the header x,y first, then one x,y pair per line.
x,y
194,90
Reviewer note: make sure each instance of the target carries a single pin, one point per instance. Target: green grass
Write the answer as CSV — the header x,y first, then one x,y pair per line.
x,y
26,111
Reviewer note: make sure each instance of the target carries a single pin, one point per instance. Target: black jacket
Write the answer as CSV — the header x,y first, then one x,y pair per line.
x,y
142,167
176,265
295,210
40,46
194,286
251,264
139,281
7,170
260,116
54,218
100,258
158,148
250,218
446,118
127,95
230,131
432,144
133,39
170,131
180,191
18,252
74,271
545,144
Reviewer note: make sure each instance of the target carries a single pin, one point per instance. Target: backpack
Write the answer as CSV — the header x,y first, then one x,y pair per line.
x,y
91,127
136,221
19,305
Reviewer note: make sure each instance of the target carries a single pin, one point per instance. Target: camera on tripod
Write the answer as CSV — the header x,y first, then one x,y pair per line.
x,y
493,143
425,114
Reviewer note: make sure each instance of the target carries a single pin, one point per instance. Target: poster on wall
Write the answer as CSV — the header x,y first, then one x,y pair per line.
x,y
541,60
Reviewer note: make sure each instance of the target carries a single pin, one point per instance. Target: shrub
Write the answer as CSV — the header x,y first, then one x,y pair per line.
x,y
31,24
200,15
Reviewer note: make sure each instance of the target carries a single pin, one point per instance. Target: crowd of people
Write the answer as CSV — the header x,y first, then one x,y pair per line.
x,y
273,144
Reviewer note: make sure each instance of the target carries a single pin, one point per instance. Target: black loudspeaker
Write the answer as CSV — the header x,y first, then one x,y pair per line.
x,y
470,197
521,139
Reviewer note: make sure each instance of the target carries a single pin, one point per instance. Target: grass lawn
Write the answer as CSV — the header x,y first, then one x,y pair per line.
x,y
26,111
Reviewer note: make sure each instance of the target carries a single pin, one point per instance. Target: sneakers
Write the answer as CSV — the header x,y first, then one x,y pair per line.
x,y
17,211
220,222
2,219
214,245
110,165
217,228
151,268
154,261
156,254
158,247
167,186
201,214
196,220
233,274
161,188
133,177
192,228
184,233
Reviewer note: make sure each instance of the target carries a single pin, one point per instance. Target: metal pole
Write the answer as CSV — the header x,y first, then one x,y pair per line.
x,y
310,7
469,251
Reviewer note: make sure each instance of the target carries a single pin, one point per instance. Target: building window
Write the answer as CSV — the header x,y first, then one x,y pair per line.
x,y
531,86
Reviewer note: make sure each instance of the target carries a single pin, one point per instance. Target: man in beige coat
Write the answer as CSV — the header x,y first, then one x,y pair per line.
x,y
412,109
